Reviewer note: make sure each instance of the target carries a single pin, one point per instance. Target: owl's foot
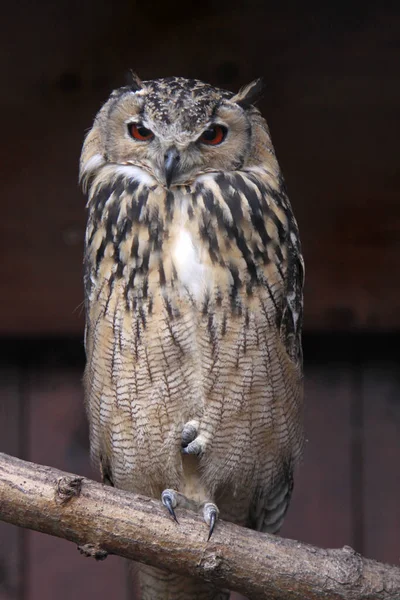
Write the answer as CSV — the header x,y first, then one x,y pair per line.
x,y
192,443
189,432
172,499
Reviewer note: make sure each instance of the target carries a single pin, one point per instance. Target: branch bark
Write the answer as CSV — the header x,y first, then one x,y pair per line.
x,y
104,520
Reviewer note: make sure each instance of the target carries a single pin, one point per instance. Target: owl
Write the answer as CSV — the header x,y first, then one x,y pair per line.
x,y
193,281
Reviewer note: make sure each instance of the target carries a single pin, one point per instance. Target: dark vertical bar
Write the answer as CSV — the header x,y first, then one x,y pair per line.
x,y
381,394
11,435
357,458
320,511
133,590
24,453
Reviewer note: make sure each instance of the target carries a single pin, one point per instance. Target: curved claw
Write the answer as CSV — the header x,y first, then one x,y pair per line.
x,y
168,504
169,501
213,520
195,447
210,512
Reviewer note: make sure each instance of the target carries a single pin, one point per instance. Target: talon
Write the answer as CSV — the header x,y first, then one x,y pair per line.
x,y
213,520
168,498
189,432
210,512
195,447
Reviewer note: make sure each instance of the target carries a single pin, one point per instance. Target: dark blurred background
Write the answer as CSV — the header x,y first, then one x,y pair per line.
x,y
332,103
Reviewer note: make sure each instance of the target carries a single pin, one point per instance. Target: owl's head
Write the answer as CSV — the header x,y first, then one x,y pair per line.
x,y
176,129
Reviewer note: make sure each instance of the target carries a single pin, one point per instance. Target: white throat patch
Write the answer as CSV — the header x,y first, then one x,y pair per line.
x,y
190,270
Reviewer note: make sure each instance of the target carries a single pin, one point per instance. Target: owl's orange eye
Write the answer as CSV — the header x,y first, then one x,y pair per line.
x,y
214,135
139,132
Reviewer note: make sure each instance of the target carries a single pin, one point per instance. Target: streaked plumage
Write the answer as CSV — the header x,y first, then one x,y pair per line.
x,y
193,306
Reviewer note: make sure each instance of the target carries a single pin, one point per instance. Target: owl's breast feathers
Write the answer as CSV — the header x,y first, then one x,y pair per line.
x,y
224,240
194,296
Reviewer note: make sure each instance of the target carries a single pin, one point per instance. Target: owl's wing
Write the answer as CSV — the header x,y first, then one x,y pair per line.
x,y
261,223
265,231
268,509
291,316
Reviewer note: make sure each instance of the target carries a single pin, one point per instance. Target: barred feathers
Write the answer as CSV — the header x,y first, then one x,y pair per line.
x,y
167,344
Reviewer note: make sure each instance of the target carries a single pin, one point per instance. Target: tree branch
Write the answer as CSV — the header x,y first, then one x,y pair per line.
x,y
104,520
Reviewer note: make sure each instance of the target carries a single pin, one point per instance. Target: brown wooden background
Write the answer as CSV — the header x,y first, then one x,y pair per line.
x,y
332,103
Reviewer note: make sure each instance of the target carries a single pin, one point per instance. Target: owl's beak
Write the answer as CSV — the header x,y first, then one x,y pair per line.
x,y
171,162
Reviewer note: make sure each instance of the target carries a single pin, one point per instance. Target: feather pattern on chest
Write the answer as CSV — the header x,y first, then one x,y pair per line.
x,y
186,290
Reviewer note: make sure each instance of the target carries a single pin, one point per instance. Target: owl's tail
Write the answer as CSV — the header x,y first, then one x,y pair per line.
x,y
156,584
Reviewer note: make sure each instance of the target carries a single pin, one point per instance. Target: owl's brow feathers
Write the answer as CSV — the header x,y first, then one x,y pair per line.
x,y
190,100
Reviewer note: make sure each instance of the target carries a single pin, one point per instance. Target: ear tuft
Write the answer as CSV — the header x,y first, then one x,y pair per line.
x,y
136,83
249,94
